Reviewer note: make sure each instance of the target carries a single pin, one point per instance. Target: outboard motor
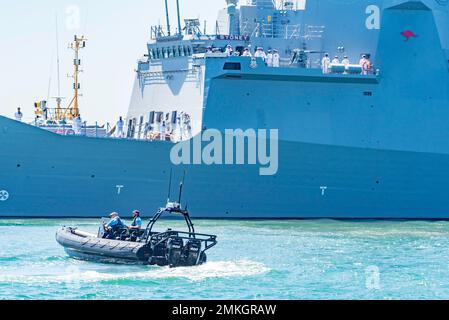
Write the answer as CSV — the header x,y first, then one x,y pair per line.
x,y
174,251
159,255
144,253
192,252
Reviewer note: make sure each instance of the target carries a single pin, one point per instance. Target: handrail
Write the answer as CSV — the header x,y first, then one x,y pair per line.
x,y
162,237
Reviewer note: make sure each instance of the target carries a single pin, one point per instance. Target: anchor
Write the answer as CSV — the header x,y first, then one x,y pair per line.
x,y
4,195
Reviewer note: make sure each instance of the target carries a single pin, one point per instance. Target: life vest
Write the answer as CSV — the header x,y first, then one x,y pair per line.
x,y
118,226
134,224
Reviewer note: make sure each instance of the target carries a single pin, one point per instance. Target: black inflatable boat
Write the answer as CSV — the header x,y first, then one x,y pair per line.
x,y
169,248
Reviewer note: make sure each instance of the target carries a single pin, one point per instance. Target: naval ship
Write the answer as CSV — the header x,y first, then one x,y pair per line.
x,y
351,144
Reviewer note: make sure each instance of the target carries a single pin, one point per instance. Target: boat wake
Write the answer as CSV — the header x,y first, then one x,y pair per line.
x,y
242,268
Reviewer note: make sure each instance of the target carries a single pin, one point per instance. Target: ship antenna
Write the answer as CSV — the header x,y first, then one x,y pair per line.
x,y
58,71
179,18
57,56
78,44
181,186
169,185
168,17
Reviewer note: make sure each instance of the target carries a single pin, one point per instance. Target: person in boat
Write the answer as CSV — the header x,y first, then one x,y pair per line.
x,y
136,226
137,222
114,226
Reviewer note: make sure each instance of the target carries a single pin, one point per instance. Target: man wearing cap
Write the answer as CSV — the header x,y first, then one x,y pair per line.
x,y
365,64
270,58
114,225
260,54
362,61
276,59
246,53
137,222
229,50
325,63
346,61
136,227
336,60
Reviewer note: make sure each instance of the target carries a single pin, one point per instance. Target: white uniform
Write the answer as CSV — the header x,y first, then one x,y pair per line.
x,y
270,59
363,61
76,125
260,54
163,131
120,125
325,64
276,60
44,109
229,51
366,65
336,61
346,62
18,115
247,53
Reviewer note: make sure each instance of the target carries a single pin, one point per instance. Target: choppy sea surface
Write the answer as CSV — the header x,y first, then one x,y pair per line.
x,y
284,260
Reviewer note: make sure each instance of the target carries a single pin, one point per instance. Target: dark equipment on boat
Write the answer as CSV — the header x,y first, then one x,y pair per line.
x,y
170,248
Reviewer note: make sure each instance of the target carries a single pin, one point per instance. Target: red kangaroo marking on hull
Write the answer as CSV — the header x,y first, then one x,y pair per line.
x,y
408,34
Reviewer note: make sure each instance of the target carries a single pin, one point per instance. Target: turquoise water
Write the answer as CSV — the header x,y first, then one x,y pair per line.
x,y
253,260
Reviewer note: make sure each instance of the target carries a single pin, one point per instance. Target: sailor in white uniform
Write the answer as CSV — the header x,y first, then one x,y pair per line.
x,y
76,125
120,126
363,61
336,60
325,63
276,59
163,131
246,53
260,54
229,51
18,115
270,59
44,109
346,61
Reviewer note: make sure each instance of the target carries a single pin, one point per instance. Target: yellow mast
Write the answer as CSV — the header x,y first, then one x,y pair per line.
x,y
72,110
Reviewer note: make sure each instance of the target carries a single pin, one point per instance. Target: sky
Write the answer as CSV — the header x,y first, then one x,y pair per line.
x,y
117,32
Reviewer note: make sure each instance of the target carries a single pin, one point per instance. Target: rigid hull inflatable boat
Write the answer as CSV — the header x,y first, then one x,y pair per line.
x,y
147,247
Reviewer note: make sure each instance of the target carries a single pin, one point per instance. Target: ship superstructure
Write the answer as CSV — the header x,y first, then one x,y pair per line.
x,y
353,143
170,83
66,120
